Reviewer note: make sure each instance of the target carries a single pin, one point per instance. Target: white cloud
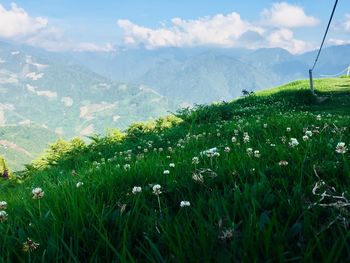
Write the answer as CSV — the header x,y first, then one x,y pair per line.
x,y
344,25
338,42
17,25
15,22
287,16
221,30
284,38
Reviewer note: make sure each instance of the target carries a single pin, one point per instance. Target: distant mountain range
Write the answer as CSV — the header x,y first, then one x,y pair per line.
x,y
203,75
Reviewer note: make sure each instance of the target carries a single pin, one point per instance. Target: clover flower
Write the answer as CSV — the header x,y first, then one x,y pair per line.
x,y
3,216
341,148
79,184
257,154
305,138
127,167
38,193
172,165
283,163
234,139
293,142
185,203
289,129
318,117
195,160
308,133
226,235
227,149
3,205
29,245
136,189
166,172
246,137
249,151
198,178
157,189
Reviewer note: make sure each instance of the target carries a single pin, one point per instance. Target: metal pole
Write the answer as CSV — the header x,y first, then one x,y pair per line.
x,y
311,82
348,73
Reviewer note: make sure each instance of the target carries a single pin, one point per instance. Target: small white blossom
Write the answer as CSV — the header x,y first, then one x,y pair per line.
x,y
246,138
185,203
3,216
234,139
172,165
318,117
305,138
308,133
3,205
288,129
283,163
195,160
38,193
157,189
198,178
136,189
341,148
256,154
127,167
79,184
227,149
249,151
166,172
293,142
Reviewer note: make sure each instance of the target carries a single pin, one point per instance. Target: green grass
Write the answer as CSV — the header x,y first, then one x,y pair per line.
x,y
246,209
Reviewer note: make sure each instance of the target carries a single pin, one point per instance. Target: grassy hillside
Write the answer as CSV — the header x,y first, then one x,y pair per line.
x,y
263,193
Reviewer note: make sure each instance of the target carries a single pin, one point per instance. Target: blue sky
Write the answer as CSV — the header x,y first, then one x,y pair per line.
x,y
100,25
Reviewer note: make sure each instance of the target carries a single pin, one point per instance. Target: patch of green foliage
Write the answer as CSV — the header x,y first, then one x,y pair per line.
x,y
245,206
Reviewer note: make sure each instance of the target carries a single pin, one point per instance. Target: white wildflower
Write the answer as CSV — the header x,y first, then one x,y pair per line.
x,y
341,148
249,151
38,193
157,189
293,142
3,205
195,160
257,154
185,203
136,189
127,167
308,133
3,216
283,163
79,184
198,178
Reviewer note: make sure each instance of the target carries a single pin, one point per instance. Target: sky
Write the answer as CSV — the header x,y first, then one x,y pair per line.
x,y
106,26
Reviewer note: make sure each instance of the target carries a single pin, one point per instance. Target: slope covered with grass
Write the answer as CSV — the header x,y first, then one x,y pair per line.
x,y
272,187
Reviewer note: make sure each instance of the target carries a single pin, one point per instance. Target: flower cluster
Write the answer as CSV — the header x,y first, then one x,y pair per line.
x,y
341,148
293,142
38,193
157,189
